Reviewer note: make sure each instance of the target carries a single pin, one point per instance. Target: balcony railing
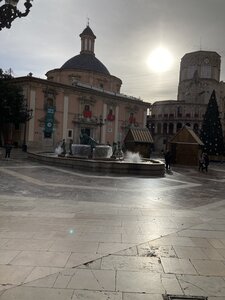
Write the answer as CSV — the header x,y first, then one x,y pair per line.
x,y
80,119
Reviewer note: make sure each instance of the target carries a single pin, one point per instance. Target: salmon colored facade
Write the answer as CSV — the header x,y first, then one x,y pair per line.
x,y
80,96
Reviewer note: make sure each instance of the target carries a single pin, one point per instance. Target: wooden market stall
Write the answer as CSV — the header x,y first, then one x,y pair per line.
x,y
139,140
185,147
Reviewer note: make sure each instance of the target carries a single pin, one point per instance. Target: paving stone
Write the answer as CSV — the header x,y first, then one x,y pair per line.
x,y
190,252
62,281
132,251
14,274
131,263
93,265
138,296
34,293
202,285
156,251
75,246
26,244
93,280
146,282
110,248
96,295
177,266
173,240
209,267
47,281
78,259
6,256
217,243
41,259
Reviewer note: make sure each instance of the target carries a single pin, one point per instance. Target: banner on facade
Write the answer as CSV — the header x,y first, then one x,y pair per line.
x,y
49,120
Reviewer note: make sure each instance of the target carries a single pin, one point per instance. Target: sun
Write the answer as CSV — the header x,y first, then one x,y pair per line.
x,y
160,60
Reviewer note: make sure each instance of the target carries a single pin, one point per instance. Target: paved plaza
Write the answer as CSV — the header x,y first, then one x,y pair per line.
x,y
67,234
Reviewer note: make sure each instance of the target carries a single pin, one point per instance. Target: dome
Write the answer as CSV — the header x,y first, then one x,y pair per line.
x,y
85,61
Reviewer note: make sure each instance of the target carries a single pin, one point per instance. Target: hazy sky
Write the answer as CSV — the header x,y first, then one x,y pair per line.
x,y
127,32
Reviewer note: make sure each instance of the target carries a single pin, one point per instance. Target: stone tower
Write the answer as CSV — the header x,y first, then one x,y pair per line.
x,y
199,76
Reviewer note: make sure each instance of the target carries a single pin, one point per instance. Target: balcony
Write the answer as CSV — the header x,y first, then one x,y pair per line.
x,y
127,125
80,119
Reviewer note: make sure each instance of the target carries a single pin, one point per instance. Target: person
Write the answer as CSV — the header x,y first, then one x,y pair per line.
x,y
63,146
167,156
205,161
200,163
71,143
8,148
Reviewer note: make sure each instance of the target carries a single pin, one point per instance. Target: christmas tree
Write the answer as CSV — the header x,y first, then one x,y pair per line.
x,y
211,132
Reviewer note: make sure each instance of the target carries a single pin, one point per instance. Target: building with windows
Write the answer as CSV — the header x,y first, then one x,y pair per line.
x,y
80,96
199,76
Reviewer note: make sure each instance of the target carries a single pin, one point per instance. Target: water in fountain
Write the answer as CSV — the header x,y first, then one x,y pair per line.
x,y
58,150
132,157
81,150
102,151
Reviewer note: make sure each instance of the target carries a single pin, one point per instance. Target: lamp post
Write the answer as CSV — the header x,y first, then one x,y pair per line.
x,y
28,113
9,12
100,123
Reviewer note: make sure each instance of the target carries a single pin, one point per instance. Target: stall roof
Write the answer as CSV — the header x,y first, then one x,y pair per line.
x,y
139,135
186,135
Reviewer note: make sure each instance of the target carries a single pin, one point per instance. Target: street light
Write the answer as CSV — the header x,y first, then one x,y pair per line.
x,y
9,12
100,123
28,113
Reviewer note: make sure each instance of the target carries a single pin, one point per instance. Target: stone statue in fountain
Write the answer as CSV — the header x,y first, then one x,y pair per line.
x,y
117,151
87,140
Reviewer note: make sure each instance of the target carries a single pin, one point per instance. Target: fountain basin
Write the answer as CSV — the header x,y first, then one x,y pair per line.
x,y
80,150
145,168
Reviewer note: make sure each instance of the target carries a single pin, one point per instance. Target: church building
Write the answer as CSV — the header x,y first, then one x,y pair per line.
x,y
80,96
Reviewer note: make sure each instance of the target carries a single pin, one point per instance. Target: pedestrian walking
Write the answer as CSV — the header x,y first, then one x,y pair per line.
x,y
205,161
63,146
201,163
70,146
167,157
8,148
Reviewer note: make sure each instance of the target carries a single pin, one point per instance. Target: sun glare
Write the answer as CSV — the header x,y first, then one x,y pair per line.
x,y
160,60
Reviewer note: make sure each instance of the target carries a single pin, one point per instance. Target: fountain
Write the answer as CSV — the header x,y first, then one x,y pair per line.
x,y
101,158
58,150
133,157
102,151
79,150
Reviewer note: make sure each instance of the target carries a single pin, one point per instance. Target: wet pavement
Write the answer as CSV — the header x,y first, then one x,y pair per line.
x,y
67,234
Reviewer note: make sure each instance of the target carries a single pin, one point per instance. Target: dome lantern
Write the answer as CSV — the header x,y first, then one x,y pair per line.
x,y
87,41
